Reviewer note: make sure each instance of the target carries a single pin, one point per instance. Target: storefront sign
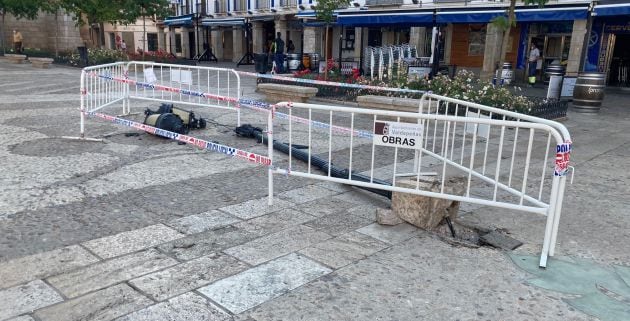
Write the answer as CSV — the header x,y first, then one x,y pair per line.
x,y
393,134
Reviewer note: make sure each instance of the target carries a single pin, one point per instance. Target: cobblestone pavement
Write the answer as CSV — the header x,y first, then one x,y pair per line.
x,y
140,228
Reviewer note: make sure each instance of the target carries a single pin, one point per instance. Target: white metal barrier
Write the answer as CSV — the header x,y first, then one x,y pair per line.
x,y
478,147
107,85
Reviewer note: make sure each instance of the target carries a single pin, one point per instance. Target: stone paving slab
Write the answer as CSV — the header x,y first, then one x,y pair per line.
x,y
186,307
22,318
110,272
259,284
207,243
306,194
337,224
26,298
390,234
202,222
277,244
256,207
274,222
188,276
344,249
325,206
43,265
103,305
131,241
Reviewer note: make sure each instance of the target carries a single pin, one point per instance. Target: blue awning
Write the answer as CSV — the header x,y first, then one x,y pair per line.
x,y
522,15
551,14
310,14
185,20
618,9
211,22
391,18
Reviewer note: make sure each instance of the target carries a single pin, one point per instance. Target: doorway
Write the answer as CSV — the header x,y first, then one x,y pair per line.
x,y
618,74
192,45
375,37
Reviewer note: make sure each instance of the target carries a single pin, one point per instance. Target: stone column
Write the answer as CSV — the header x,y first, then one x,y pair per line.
x,y
281,27
310,40
258,37
171,41
448,40
358,34
217,43
185,43
238,48
575,50
492,50
161,39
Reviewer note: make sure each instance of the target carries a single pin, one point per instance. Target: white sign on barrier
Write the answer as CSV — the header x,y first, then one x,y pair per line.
x,y
394,134
149,75
181,76
482,130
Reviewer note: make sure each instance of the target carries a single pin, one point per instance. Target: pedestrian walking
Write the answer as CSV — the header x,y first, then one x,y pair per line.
x,y
17,41
123,46
278,50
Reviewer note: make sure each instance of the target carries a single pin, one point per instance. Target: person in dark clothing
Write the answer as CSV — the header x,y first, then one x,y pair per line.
x,y
278,51
290,47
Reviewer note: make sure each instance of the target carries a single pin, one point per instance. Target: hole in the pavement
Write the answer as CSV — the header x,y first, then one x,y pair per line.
x,y
52,147
461,234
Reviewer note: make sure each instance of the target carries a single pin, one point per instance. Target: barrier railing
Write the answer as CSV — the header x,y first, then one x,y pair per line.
x,y
106,85
186,85
563,148
99,91
503,156
477,146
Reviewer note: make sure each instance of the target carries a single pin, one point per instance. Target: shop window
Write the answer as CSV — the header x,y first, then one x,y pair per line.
x,y
476,40
152,41
348,39
178,42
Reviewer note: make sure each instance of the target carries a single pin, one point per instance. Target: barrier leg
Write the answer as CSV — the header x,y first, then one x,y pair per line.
x,y
550,218
556,219
270,153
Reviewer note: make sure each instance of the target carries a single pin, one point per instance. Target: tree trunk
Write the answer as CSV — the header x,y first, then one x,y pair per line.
x,y
57,33
4,45
144,34
326,55
506,39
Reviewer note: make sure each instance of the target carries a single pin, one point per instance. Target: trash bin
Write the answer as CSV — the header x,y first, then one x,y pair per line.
x,y
260,63
83,55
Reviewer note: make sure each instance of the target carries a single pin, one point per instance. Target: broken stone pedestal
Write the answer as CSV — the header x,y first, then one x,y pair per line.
x,y
427,212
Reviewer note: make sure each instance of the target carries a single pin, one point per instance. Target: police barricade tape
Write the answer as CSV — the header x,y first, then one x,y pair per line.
x,y
248,103
197,142
330,83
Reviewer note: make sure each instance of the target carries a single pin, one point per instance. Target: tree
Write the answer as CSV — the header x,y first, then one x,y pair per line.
x,y
324,11
19,9
506,23
114,11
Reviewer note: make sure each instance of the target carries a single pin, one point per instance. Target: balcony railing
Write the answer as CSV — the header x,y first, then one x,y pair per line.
x,y
220,6
240,5
288,3
262,4
385,2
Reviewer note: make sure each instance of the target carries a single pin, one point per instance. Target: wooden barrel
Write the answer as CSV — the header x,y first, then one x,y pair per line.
x,y
553,70
588,93
306,61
